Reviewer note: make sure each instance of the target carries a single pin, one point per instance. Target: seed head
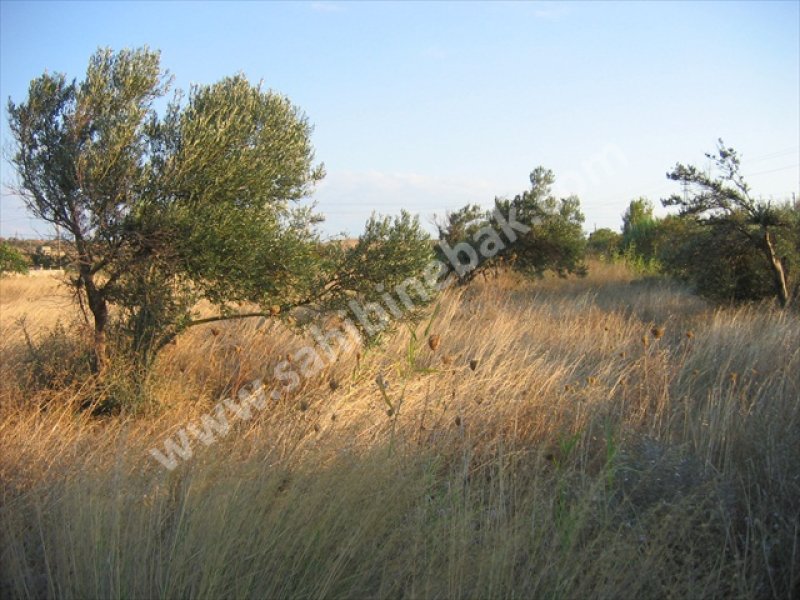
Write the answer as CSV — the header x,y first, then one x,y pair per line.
x,y
214,331
333,384
274,310
658,332
434,341
473,364
689,334
382,383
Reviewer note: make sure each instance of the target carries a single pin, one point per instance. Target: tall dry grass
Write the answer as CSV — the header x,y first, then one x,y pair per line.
x,y
616,438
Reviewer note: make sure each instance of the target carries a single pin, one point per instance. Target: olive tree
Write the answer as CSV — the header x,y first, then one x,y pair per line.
x,y
82,158
547,234
206,199
556,241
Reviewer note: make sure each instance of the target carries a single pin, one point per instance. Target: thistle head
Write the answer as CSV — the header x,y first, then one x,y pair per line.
x,y
434,341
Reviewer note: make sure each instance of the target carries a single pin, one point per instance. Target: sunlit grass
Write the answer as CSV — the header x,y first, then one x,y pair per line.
x,y
599,437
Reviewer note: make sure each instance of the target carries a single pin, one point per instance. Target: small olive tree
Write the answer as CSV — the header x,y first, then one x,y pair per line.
x,y
204,201
550,237
556,241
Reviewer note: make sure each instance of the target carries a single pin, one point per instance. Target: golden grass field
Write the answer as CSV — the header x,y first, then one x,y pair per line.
x,y
616,438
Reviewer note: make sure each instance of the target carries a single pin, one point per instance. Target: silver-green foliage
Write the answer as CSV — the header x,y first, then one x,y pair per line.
x,y
203,200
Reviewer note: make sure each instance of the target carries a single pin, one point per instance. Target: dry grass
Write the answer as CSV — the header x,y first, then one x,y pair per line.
x,y
581,457
41,298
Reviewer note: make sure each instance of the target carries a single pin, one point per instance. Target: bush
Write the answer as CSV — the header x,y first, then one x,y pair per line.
x,y
742,224
718,262
604,243
11,260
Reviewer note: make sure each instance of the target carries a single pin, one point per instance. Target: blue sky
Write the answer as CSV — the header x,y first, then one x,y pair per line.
x,y
428,106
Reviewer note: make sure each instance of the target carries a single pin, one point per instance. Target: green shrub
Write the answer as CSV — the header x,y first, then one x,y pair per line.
x,y
11,260
604,243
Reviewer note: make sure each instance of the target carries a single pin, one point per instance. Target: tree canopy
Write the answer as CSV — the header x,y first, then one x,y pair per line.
x,y
206,200
740,221
11,260
549,238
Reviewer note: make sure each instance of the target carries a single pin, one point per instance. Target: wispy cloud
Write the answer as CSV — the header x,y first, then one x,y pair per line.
x,y
326,7
551,11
